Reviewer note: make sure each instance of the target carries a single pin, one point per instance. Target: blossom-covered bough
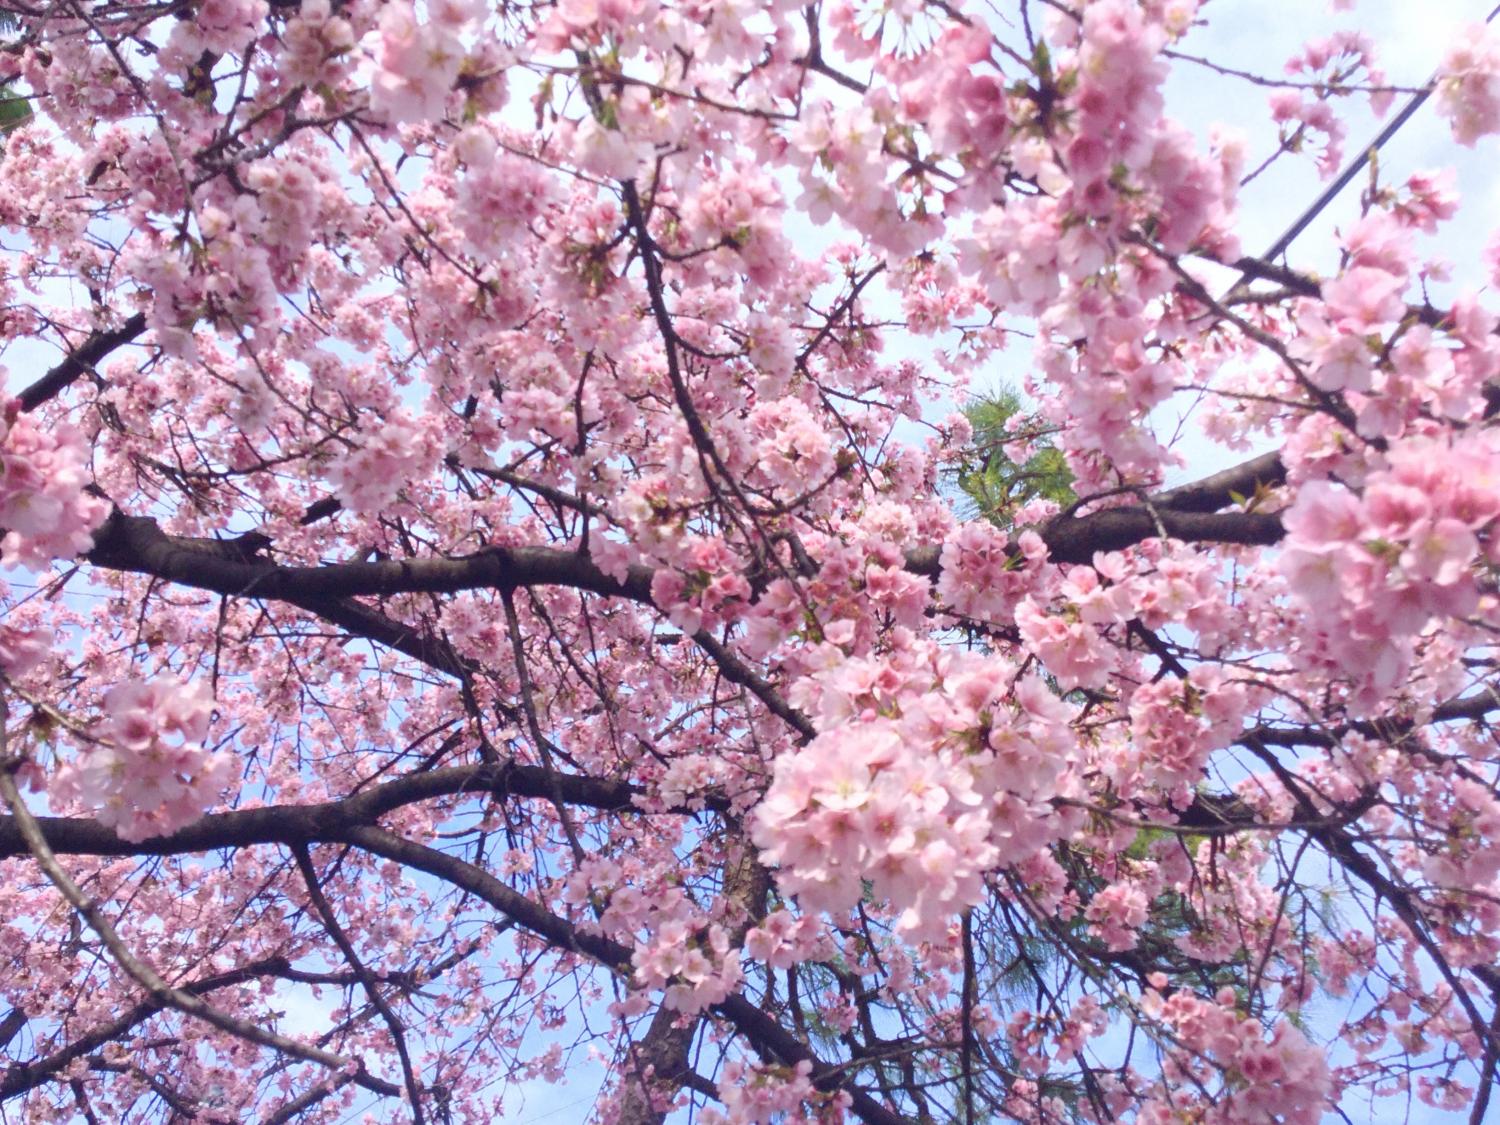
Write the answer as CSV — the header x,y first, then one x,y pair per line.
x,y
486,599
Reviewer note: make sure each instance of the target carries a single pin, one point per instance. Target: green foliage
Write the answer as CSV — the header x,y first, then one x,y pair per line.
x,y
995,485
14,109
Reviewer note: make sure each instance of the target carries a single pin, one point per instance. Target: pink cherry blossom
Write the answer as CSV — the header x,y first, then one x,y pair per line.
x,y
786,563
1469,86
145,771
43,508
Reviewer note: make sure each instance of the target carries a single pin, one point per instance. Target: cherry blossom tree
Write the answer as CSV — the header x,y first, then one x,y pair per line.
x,y
488,591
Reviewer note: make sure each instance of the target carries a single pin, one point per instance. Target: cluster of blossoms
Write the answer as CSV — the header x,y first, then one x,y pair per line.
x,y
798,453
413,65
1372,568
387,314
147,773
312,36
1281,1079
44,510
1066,631
500,194
710,592
1299,115
740,208
1066,618
475,625
1175,725
784,939
1366,297
754,1094
1122,147
981,579
1472,854
695,969
1468,91
1069,643
1329,67
855,804
959,97
1117,914
21,650
687,955
1114,160
369,476
1118,98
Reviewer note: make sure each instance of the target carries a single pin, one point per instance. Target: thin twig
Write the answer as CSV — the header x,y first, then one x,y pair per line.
x,y
372,989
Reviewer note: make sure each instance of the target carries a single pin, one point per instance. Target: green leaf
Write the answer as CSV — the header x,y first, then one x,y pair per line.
x,y
995,484
14,112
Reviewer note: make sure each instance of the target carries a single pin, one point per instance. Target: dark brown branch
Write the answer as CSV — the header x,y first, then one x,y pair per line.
x,y
291,825
738,672
11,1026
81,360
658,1066
1188,514
294,1109
138,544
1478,706
1218,491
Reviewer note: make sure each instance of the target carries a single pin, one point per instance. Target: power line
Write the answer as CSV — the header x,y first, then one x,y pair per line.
x,y
1357,165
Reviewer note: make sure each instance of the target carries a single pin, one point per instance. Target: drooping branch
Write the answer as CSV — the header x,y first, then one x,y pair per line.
x,y
768,1036
371,986
21,1077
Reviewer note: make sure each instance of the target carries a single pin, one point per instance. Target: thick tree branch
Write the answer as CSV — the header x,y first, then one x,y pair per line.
x,y
657,1067
139,545
81,360
1190,512
1466,708
292,825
